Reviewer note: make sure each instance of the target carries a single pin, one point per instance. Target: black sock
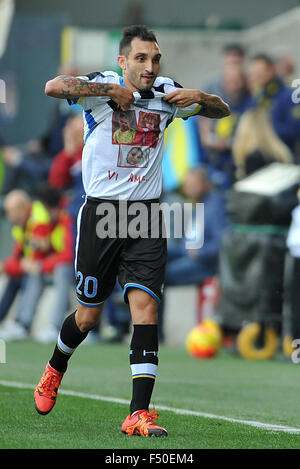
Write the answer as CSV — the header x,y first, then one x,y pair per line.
x,y
144,363
69,338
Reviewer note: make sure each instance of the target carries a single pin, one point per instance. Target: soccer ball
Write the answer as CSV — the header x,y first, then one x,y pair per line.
x,y
204,341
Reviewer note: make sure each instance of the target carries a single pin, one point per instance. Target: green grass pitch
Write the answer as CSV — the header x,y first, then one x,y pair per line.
x,y
227,386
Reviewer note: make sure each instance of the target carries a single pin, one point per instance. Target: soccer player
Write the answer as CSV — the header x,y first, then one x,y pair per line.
x,y
137,262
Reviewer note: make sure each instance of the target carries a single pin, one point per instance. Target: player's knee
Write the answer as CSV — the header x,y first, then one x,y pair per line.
x,y
87,317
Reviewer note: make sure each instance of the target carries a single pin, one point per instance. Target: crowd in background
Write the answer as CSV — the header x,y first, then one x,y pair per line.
x,y
42,189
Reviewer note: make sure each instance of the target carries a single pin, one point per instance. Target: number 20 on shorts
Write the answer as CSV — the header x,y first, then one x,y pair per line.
x,y
89,285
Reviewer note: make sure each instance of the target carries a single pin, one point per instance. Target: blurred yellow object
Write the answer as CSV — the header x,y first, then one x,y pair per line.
x,y
287,346
225,126
246,342
66,45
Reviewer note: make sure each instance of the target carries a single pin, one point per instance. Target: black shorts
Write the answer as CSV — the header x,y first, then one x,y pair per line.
x,y
108,248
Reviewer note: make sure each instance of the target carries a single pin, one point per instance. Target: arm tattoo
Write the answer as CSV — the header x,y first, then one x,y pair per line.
x,y
75,87
214,107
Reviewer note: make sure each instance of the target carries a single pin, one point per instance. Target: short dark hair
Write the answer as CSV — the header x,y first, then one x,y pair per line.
x,y
122,114
137,30
264,57
236,48
48,195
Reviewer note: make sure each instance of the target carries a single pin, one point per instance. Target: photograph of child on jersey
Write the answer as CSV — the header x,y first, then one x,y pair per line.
x,y
124,127
148,129
126,130
133,157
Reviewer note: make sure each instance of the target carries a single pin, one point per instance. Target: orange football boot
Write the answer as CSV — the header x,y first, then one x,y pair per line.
x,y
141,424
45,393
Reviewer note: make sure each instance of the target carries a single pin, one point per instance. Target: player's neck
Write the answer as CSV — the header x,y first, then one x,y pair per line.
x,y
129,85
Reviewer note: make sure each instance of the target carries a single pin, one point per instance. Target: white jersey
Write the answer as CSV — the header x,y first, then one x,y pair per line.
x,y
123,151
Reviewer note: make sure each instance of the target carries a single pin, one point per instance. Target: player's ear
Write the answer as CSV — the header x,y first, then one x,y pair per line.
x,y
122,62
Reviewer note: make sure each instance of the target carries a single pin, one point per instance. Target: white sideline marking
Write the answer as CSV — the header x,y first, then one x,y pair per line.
x,y
116,400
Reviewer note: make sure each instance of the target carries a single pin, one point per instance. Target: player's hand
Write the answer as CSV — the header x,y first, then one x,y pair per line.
x,y
122,96
183,97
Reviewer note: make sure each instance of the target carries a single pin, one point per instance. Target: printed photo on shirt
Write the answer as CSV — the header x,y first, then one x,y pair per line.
x,y
124,127
133,157
148,129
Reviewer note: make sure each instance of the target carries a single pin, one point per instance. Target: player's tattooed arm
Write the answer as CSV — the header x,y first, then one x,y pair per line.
x,y
68,87
213,106
65,86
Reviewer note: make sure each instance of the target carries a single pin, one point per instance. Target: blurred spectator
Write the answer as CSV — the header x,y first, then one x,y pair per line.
x,y
25,166
256,144
217,135
29,163
65,172
42,252
270,92
234,56
194,266
285,68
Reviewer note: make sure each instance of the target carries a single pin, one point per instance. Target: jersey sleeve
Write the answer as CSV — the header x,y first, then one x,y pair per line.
x,y
189,111
170,85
